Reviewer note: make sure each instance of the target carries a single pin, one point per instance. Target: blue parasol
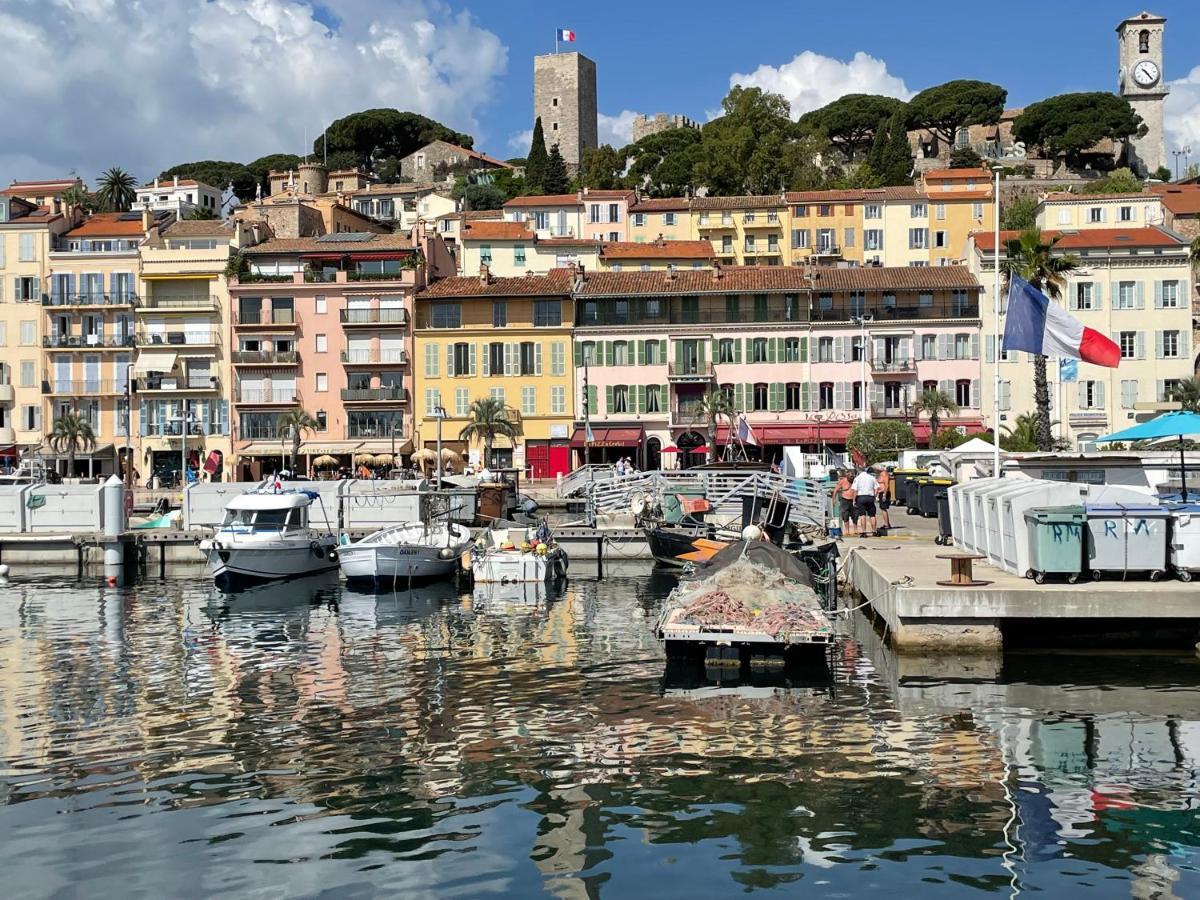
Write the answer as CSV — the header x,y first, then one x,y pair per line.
x,y
1174,425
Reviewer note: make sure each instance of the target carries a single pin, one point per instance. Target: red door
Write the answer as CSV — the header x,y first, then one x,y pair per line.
x,y
537,458
560,459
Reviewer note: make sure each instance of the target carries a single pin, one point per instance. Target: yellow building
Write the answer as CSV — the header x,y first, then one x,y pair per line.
x,y
505,338
512,249
960,202
744,231
27,234
182,369
825,227
669,218
1065,211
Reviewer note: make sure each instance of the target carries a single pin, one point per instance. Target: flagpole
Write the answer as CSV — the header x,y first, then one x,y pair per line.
x,y
556,40
998,337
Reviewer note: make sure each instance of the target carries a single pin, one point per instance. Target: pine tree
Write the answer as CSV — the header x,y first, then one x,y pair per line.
x,y
890,157
535,162
556,180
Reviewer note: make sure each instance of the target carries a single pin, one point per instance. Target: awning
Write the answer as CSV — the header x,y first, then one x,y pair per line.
x,y
190,277
95,453
402,448
153,361
832,432
329,449
608,437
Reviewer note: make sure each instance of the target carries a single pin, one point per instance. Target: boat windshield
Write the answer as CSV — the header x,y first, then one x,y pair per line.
x,y
264,519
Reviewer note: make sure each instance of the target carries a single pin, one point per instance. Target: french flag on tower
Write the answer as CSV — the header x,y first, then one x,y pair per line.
x,y
565,34
1036,325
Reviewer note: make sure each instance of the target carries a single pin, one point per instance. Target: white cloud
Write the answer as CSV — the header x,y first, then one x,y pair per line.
x,y
617,130
811,80
148,85
519,143
1182,115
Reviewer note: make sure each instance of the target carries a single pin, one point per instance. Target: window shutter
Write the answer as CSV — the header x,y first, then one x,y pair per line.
x,y
803,349
642,406
1158,295
875,392
839,395
945,346
1183,344
976,394
679,356
1082,404
537,359
878,353
700,345
1158,345
1097,295
737,350
714,351
641,353
1160,390
839,350
946,386
773,390
990,348
772,346
1140,291
1100,395
975,346
450,359
487,359
608,399
916,345
804,396
739,392
578,354
143,423
593,400
471,359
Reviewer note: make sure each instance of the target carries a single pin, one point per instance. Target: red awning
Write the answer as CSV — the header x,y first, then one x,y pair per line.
x,y
608,437
829,432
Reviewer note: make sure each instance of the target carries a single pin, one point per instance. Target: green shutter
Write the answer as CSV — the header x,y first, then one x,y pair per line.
x,y
803,349
608,399
700,345
738,395
771,342
804,396
593,400
737,350
578,354
679,356
775,396
641,352
608,353
640,398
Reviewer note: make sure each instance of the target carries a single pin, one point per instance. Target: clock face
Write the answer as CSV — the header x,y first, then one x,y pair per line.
x,y
1145,73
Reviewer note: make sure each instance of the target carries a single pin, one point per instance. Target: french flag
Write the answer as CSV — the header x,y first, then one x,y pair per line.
x,y
1036,325
744,432
565,34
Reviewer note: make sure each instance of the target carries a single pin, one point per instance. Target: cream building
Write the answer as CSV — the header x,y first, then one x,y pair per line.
x,y
1132,284
669,218
511,249
896,227
1071,212
744,231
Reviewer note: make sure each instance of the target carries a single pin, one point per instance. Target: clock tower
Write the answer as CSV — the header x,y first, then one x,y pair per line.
x,y
1141,79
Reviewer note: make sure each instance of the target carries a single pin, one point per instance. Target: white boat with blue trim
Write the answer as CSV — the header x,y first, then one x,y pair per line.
x,y
399,554
266,536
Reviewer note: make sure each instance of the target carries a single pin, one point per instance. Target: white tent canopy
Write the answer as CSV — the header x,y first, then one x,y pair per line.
x,y
974,445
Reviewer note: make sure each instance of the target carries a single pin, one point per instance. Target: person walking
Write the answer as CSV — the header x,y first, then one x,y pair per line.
x,y
843,495
885,496
865,488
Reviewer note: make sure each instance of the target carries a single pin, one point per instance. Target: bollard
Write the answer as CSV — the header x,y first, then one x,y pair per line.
x,y
113,498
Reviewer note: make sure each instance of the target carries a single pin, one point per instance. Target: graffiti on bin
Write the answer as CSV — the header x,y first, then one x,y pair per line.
x,y
1064,533
1140,526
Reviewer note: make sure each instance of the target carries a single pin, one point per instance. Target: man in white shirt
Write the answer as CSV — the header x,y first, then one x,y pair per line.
x,y
865,487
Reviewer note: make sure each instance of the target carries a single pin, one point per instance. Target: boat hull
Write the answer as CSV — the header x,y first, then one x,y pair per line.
x,y
234,568
513,566
388,565
668,543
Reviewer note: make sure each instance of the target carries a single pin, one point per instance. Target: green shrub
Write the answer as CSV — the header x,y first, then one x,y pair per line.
x,y
881,439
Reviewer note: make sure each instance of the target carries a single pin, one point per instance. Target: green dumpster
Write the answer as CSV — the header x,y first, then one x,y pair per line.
x,y
1056,542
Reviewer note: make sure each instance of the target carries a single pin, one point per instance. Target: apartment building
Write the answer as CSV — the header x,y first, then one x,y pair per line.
x,y
505,338
959,202
1132,284
747,231
512,249
661,254
825,227
180,196
666,218
606,214
1065,211
801,351
42,193
27,234
182,366
401,204
549,216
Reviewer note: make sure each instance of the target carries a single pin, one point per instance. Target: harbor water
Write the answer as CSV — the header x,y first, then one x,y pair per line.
x,y
167,740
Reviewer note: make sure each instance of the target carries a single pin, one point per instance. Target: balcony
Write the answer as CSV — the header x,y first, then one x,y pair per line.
x,y
265,358
88,342
176,385
759,220
844,312
8,435
374,358
374,318
690,372
828,251
686,413
264,396
86,387
193,337
889,411
122,298
7,394
266,318
893,366
375,395
169,305
711,223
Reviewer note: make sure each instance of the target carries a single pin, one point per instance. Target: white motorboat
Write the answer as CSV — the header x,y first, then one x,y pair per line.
x,y
510,555
266,537
402,553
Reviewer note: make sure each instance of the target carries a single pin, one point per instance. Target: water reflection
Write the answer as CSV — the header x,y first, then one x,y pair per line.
x,y
170,739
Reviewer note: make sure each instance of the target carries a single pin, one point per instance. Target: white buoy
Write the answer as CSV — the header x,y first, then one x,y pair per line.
x,y
3,570
752,533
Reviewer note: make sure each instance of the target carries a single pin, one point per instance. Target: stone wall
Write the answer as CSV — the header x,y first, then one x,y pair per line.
x,y
644,126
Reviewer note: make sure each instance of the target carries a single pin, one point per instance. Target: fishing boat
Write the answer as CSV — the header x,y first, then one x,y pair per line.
x,y
414,551
266,536
509,555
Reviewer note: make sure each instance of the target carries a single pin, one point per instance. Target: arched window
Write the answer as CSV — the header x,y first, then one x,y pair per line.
x,y
1143,41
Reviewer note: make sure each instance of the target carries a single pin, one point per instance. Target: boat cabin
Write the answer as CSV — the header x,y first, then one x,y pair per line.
x,y
268,512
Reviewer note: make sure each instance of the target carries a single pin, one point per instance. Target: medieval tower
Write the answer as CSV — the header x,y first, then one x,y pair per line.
x,y
564,95
1142,83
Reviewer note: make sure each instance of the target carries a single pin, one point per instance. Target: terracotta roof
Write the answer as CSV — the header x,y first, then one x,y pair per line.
x,y
109,225
166,183
547,200
941,196
389,188
958,174
778,278
824,196
492,230
657,250
199,228
26,187
36,215
471,214
1063,196
1092,238
555,282
1182,200
595,194
312,245
899,192
569,242
660,204
752,202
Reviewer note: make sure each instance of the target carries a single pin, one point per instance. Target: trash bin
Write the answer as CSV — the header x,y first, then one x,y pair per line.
x,y
927,491
1125,538
945,535
912,494
1184,547
1056,544
900,481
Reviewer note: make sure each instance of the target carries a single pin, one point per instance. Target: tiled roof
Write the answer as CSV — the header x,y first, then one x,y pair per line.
x,y
493,230
1092,238
1068,196
471,214
942,196
660,204
198,228
547,200
824,196
657,250
595,194
555,282
108,225
165,184
57,185
312,245
958,174
778,278
753,202
384,189
570,242
1182,200
899,192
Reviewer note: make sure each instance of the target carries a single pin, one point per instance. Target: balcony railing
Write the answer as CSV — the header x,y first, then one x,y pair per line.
x,y
686,413
179,304
713,222
174,429
760,220
374,357
167,384
84,386
120,298
845,312
373,395
889,411
192,337
828,250
690,372
264,396
265,357
87,341
267,317
377,430
374,316
893,366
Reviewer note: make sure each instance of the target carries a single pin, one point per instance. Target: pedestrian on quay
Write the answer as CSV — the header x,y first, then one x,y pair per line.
x,y
865,488
843,494
885,496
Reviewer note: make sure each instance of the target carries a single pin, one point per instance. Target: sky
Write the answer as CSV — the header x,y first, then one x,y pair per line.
x,y
145,85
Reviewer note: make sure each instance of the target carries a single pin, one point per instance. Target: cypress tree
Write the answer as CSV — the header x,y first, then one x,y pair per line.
x,y
535,162
556,180
890,157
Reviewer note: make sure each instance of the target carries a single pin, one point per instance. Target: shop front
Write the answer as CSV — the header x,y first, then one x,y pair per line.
x,y
607,445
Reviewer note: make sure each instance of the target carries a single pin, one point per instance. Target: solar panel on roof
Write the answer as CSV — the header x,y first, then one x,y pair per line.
x,y
345,237
129,217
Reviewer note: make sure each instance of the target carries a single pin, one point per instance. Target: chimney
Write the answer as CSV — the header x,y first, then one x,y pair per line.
x,y
156,183
716,270
485,276
176,184
147,218
670,272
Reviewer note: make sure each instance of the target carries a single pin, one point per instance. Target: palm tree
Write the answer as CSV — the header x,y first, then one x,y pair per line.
x,y
72,432
294,423
1032,257
1187,394
488,419
116,190
711,408
933,403
1021,435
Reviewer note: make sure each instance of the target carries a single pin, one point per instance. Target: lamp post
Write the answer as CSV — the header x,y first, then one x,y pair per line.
x,y
862,360
439,413
183,436
996,323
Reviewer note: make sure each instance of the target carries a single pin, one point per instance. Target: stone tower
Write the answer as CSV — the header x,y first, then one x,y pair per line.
x,y
1142,83
564,95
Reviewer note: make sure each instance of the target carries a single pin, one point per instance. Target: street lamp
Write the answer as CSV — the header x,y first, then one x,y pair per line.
x,y
184,421
862,359
439,413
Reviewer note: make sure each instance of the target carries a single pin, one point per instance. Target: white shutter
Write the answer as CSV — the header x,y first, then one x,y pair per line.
x,y
945,346
839,349
1140,292
1100,395
1158,294
877,353
990,348
976,394
975,346
1082,395
537,359
487,359
1006,395
1158,345
450,360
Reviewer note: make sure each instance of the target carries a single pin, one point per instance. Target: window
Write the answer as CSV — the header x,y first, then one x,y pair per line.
x,y
725,350
918,238
758,350
888,300
31,418
639,219
668,218
462,359
1125,214
1083,295
929,346
1126,295
518,255
792,396
826,240
893,395
499,313
824,209
1091,395
1127,341
824,349
1129,392
541,220
1170,295
28,368
800,238
321,304
433,399
791,350
653,398
27,250
446,315
28,333
528,400
825,395
925,300
689,308
872,211
496,359
800,211
558,358
940,240
547,313
918,211
558,400
321,342
976,210
1169,343
939,211
588,351
873,239
322,381
620,353
594,212
848,237
1095,214
1169,388
485,254
760,397
1143,41
962,139
760,307
497,394
962,392
620,399
655,353
962,346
